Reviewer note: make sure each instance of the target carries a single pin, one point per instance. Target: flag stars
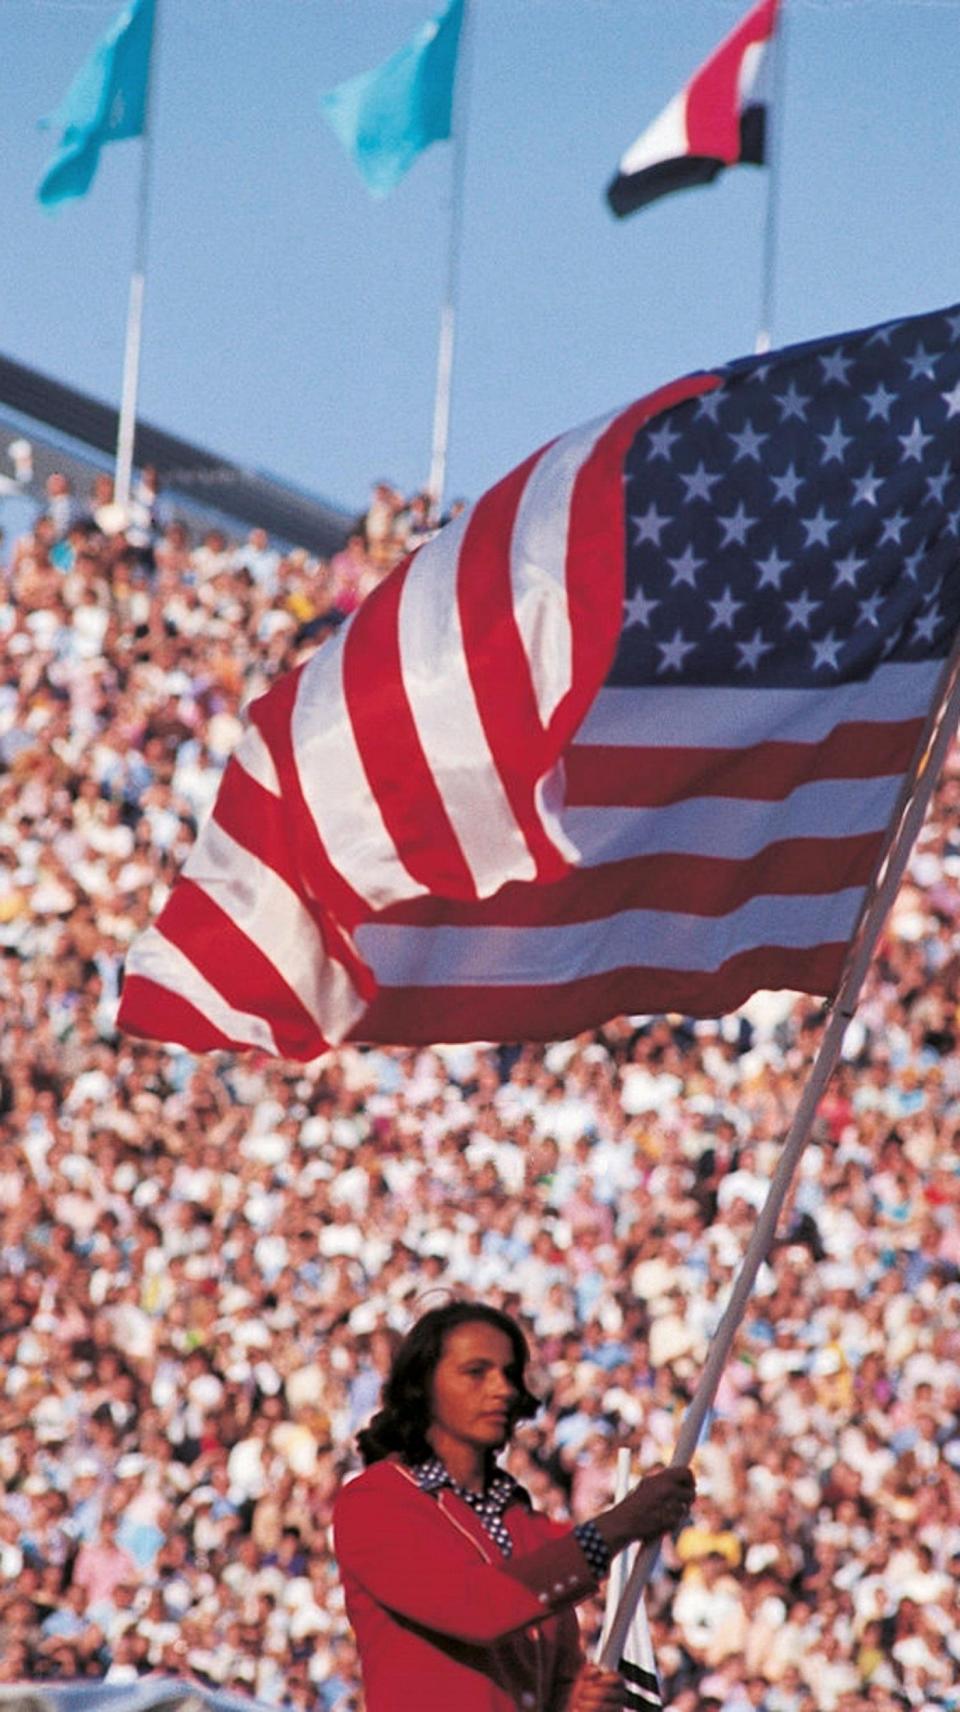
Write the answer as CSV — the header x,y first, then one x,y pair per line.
x,y
735,526
878,404
914,442
700,483
835,443
748,443
724,610
952,399
826,652
674,652
751,652
834,366
771,569
868,610
685,568
792,403
893,527
639,609
649,527
865,487
936,484
818,528
921,363
785,486
801,611
847,570
708,404
660,443
925,627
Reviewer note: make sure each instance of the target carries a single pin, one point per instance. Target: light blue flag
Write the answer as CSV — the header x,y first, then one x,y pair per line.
x,y
106,101
384,118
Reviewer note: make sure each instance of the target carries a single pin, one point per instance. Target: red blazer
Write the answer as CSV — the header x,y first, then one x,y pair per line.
x,y
444,1622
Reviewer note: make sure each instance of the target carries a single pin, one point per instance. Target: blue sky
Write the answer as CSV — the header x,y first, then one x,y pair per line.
x,y
291,320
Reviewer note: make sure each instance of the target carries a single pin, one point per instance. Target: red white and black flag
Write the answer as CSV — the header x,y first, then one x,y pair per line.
x,y
629,735
718,120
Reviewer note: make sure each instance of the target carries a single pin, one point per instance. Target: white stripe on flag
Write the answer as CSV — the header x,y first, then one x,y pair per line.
x,y
542,956
335,785
538,563
263,907
156,958
716,718
738,829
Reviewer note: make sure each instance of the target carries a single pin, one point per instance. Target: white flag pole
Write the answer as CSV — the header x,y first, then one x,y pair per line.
x,y
127,424
772,149
436,480
905,825
617,1583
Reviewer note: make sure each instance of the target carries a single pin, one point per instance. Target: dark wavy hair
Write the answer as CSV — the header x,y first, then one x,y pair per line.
x,y
399,1428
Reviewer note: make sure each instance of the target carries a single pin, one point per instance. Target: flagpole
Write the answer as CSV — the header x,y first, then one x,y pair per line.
x,y
931,754
436,480
778,46
127,423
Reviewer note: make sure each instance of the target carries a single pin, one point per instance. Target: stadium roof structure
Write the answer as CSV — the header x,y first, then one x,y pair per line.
x,y
81,434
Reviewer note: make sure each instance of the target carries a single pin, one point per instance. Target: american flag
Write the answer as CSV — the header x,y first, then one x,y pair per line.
x,y
628,736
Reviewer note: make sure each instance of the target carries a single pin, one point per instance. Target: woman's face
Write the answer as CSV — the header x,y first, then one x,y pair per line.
x,y
475,1388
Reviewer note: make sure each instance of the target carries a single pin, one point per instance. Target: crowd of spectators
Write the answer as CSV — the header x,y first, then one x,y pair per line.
x,y
205,1263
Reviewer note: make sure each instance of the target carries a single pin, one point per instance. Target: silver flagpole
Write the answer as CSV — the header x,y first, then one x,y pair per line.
x,y
773,148
436,480
127,424
940,728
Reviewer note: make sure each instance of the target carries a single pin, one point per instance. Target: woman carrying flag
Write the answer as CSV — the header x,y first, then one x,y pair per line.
x,y
461,1595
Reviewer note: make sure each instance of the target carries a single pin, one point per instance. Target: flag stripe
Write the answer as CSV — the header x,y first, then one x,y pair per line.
x,y
502,637
711,886
505,956
227,960
274,921
655,776
173,1017
682,716
639,1678
437,681
308,773
713,104
419,1015
399,780
736,828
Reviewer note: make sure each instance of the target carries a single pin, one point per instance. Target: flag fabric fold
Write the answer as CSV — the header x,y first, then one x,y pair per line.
x,y
386,117
627,736
717,120
106,102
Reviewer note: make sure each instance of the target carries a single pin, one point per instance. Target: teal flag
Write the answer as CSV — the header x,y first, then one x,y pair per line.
x,y
384,118
106,101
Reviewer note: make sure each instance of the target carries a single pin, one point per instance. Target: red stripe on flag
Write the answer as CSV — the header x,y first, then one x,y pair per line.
x,y
156,1013
603,776
272,715
434,1015
241,973
713,104
497,660
688,885
256,819
386,735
